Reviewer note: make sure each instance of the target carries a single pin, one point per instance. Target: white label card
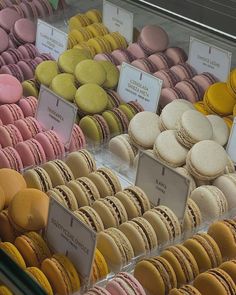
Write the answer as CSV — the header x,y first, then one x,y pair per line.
x,y
231,146
117,19
68,235
135,84
163,185
205,57
55,113
50,39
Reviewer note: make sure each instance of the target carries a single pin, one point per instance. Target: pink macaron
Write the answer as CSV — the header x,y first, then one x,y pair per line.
x,y
24,31
51,144
123,55
9,113
107,57
169,78
191,90
153,38
168,95
13,70
184,71
161,60
28,105
8,17
10,89
136,50
10,135
77,141
145,64
31,153
27,69
4,40
9,158
28,127
124,283
97,290
204,80
177,55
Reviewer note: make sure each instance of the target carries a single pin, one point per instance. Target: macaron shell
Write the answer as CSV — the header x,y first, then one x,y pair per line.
x,y
12,251
230,268
39,276
11,89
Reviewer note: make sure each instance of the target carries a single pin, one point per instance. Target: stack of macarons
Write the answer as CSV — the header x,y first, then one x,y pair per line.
x,y
81,20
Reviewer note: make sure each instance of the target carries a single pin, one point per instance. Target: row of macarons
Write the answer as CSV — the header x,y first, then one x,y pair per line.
x,y
181,264
25,144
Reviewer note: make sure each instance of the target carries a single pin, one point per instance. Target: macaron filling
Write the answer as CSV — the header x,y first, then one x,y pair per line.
x,y
64,172
227,284
107,179
43,179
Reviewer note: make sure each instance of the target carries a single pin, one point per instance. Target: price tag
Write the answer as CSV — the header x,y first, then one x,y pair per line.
x,y
50,39
68,235
54,3
137,85
205,57
55,113
162,184
231,146
119,20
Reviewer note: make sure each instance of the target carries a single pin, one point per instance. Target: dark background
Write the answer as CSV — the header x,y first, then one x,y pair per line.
x,y
219,14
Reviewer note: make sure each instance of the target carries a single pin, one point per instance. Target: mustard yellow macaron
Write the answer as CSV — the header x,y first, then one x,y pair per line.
x,y
200,106
231,82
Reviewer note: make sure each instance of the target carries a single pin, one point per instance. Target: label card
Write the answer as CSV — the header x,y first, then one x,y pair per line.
x,y
117,19
231,146
205,57
50,39
68,235
135,84
163,185
55,113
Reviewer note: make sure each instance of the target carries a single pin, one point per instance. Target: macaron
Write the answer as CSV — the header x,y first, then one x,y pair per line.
x,y
115,248
2,199
136,50
40,278
24,31
168,149
122,55
31,153
156,275
111,211
46,71
10,135
13,92
30,88
189,133
83,160
176,54
5,40
183,263
28,210
231,84
11,182
51,144
85,191
213,102
134,200
227,184
65,86
139,134
161,60
205,251
106,181
7,232
184,71
9,113
95,129
61,274
94,15
4,290
112,74
141,235
97,290
28,127
200,106
153,38
64,195
12,251
33,248
220,129
77,140
204,80
169,78
223,232
8,17
116,120
168,95
214,281
131,108
90,217
125,282
164,222
185,290
192,218
206,160
145,64
59,172
230,268
70,58
28,105
9,158
211,201
38,178
100,268
122,147
91,99
191,90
